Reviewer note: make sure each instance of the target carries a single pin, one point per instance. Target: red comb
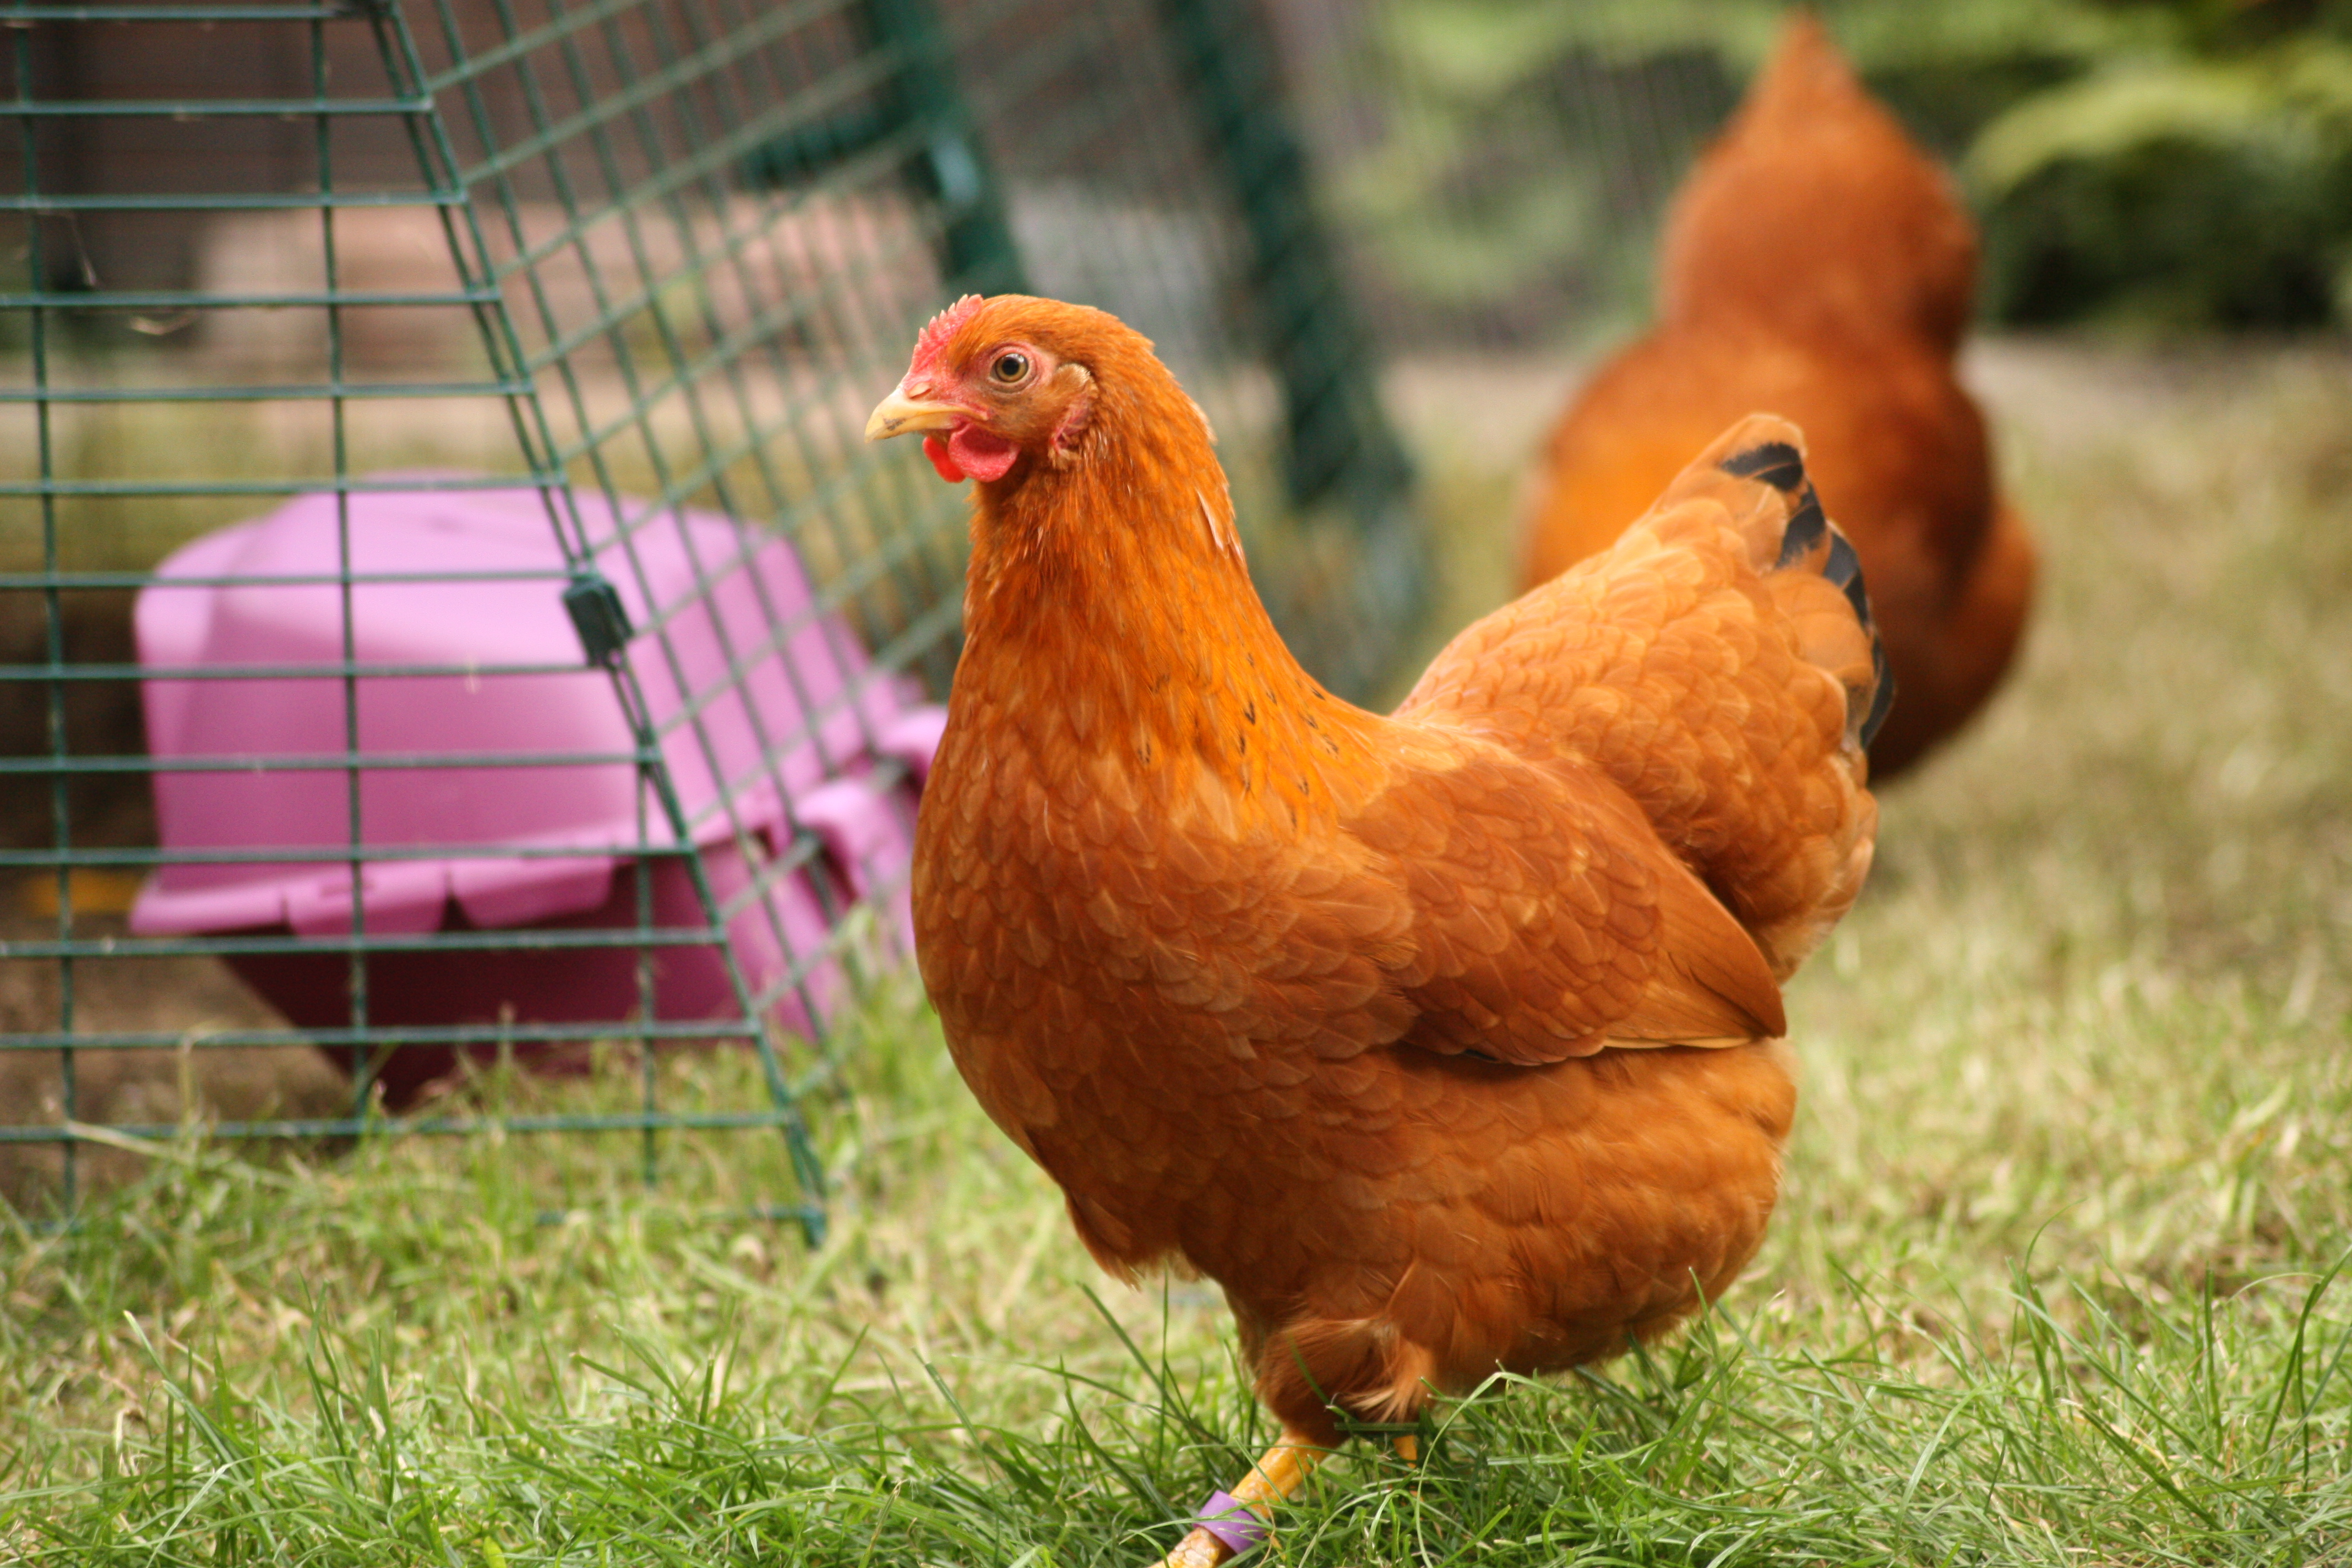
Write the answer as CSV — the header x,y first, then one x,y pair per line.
x,y
933,343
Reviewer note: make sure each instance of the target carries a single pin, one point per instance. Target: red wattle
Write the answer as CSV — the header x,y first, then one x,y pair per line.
x,y
979,454
935,450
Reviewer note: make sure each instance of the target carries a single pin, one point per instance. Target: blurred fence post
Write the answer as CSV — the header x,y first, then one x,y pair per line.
x,y
921,100
1339,435
1341,449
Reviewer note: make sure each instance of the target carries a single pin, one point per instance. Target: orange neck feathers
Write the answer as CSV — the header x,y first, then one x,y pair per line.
x,y
1110,615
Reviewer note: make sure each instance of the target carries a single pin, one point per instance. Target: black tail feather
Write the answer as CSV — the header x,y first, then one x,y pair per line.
x,y
1883,697
1805,528
1782,467
1844,569
1775,463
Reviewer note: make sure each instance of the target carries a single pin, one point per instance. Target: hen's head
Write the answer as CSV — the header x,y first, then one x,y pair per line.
x,y
1001,382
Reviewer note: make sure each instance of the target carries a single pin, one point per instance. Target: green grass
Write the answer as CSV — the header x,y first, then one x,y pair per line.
x,y
2055,1279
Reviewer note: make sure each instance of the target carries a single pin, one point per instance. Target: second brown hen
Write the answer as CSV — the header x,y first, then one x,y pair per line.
x,y
1818,264
1445,1041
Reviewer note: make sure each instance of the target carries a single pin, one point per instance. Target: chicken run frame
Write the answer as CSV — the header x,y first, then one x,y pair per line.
x,y
494,306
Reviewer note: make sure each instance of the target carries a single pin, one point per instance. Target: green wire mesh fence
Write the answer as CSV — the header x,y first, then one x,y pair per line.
x,y
441,582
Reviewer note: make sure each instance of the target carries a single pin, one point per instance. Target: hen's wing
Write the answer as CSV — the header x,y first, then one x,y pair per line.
x,y
1545,920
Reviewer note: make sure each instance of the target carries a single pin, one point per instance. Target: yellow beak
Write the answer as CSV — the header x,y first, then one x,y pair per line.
x,y
897,414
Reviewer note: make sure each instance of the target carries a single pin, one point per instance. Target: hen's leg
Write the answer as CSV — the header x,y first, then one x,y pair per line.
x,y
1271,1480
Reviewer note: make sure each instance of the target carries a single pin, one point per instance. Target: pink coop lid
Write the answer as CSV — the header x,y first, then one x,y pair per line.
x,y
447,757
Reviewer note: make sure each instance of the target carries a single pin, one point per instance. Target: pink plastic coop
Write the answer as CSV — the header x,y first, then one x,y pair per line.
x,y
493,789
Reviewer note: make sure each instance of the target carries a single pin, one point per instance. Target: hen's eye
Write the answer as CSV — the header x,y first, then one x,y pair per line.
x,y
1008,368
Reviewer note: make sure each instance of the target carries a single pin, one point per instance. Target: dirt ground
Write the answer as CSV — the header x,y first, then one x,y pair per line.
x,y
193,996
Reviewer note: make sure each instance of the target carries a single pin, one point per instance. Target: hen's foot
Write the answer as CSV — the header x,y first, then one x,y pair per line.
x,y
1236,1516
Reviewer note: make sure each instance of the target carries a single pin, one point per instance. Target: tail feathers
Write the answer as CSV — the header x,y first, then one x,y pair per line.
x,y
1756,470
1812,543
1713,665
1844,569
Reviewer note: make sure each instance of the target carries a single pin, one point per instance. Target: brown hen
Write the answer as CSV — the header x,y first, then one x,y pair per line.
x,y
1445,1041
1818,264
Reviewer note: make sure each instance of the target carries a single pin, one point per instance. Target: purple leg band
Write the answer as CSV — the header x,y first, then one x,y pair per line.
x,y
1231,1522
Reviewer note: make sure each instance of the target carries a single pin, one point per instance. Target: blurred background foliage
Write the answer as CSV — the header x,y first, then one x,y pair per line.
x,y
2153,164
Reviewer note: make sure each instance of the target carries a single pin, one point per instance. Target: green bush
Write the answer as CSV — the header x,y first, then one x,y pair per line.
x,y
2181,188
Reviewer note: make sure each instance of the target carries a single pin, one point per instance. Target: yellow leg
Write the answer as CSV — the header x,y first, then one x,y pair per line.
x,y
1408,1447
1271,1480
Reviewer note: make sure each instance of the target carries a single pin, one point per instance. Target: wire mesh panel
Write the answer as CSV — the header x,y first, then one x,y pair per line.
x,y
442,583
